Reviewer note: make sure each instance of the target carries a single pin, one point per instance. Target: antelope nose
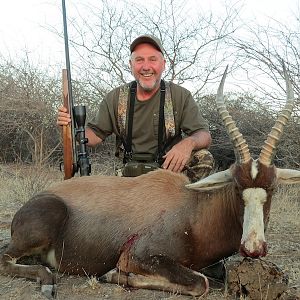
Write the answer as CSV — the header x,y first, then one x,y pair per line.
x,y
254,252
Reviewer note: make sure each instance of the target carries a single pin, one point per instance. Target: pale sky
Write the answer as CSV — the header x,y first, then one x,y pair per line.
x,y
23,22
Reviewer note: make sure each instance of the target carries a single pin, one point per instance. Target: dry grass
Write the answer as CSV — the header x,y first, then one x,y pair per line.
x,y
18,183
284,232
286,205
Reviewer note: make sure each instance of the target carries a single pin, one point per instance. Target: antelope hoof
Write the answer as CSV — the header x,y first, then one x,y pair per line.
x,y
49,290
115,276
108,277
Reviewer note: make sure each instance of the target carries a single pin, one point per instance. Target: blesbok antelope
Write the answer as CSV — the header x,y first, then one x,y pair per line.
x,y
157,230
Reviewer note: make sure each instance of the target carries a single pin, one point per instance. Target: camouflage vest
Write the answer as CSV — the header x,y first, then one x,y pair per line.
x,y
122,114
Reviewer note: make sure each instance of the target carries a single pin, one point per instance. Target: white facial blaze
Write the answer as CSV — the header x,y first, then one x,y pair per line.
x,y
254,169
253,227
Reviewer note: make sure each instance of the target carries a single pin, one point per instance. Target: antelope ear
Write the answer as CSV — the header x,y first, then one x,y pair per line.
x,y
212,182
288,176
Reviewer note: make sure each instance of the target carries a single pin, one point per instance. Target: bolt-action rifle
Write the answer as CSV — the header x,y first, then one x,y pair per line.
x,y
75,158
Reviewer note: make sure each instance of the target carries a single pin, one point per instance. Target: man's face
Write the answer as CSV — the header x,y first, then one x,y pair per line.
x,y
147,65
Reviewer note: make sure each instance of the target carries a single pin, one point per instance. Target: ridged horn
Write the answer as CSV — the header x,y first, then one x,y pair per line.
x,y
269,148
240,146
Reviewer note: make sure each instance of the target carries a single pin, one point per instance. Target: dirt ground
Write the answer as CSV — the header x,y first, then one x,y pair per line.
x,y
283,237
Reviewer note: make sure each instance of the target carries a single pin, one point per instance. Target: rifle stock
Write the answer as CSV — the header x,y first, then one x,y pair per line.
x,y
69,143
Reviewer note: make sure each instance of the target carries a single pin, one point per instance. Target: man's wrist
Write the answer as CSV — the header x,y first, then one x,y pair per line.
x,y
190,142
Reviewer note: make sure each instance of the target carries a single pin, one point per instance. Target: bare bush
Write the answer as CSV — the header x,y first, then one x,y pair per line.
x,y
255,120
28,130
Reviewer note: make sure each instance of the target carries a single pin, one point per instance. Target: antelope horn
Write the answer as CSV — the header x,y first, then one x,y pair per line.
x,y
268,150
240,146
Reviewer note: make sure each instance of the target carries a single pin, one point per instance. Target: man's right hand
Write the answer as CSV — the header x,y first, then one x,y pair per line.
x,y
63,118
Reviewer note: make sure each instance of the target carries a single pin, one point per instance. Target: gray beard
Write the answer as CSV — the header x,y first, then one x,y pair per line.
x,y
147,88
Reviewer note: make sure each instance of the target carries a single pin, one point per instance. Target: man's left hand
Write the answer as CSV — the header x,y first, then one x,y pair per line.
x,y
178,156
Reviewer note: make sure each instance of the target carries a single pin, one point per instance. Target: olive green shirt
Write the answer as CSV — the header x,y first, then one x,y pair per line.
x,y
145,119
